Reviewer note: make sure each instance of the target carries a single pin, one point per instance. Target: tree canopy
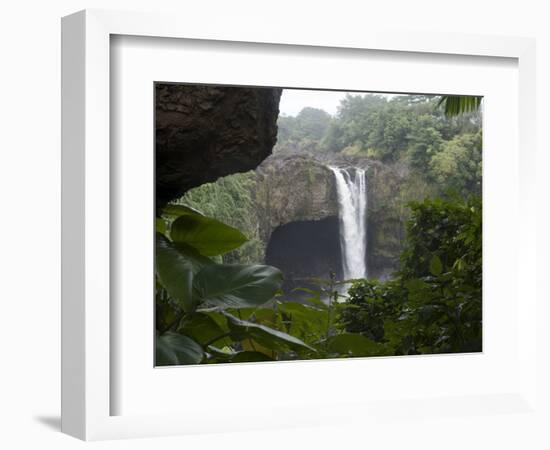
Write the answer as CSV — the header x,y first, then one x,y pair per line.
x,y
442,147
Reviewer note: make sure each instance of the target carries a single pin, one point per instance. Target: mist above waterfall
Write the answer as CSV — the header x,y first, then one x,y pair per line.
x,y
351,185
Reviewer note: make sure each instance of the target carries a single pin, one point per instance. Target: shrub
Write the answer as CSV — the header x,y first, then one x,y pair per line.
x,y
434,304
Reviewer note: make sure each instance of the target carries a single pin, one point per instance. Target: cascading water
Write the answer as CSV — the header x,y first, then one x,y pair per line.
x,y
351,186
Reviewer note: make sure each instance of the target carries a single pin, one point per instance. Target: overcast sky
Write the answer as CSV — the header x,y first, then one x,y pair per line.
x,y
294,100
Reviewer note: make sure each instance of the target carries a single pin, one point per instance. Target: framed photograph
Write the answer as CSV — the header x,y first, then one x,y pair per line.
x,y
270,229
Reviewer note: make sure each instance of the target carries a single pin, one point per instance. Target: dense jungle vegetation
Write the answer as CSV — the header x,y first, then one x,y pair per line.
x,y
410,130
216,302
230,200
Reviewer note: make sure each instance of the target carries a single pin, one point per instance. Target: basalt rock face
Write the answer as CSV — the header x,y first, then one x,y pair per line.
x,y
386,217
206,132
305,250
293,189
298,219
297,205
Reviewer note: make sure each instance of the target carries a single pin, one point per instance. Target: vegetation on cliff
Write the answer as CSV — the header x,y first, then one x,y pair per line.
x,y
231,201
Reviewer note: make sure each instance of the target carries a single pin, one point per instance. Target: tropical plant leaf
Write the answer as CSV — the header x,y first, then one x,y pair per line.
x,y
160,226
266,336
175,349
225,354
204,329
436,266
250,345
209,236
455,105
175,273
260,314
196,260
236,285
353,344
304,320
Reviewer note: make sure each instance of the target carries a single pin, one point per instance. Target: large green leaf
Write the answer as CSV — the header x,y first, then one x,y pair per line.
x,y
221,355
209,236
196,260
353,344
237,286
306,321
175,349
224,354
204,329
175,273
266,336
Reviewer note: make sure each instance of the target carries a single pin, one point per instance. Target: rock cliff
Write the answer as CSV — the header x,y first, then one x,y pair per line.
x,y
293,189
301,191
206,132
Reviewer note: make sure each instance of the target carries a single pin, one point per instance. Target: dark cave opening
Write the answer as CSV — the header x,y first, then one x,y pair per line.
x,y
304,250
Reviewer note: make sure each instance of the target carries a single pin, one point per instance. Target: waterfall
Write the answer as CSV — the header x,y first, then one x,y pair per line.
x,y
351,186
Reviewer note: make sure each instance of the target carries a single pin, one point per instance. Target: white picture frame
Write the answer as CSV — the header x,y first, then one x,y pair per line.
x,y
87,328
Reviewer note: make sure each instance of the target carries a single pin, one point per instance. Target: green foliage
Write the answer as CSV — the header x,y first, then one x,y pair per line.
x,y
237,285
442,149
266,336
204,327
455,105
425,141
229,200
195,296
312,123
307,321
458,165
175,273
450,230
303,132
350,344
175,349
209,312
216,304
433,305
369,304
208,236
